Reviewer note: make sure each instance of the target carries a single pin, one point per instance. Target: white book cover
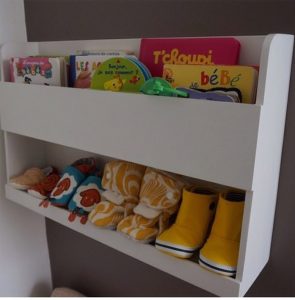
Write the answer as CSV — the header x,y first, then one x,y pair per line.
x,y
38,70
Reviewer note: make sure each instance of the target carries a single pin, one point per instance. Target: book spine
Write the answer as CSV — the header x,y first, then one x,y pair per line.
x,y
72,76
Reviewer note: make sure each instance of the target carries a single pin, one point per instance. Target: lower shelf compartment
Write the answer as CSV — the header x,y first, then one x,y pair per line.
x,y
183,269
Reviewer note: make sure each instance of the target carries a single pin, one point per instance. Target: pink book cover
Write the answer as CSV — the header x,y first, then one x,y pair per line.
x,y
155,52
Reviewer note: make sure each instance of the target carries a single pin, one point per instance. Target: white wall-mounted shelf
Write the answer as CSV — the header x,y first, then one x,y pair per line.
x,y
237,145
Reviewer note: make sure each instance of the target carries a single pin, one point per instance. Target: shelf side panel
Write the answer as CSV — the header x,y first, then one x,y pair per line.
x,y
202,139
22,153
277,60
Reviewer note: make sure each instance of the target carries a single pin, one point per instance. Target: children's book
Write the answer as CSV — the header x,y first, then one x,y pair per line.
x,y
155,52
82,67
104,52
38,70
204,77
120,74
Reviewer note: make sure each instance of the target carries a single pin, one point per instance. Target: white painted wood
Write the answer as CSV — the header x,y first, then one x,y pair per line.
x,y
183,269
24,255
61,156
23,153
201,139
236,145
276,58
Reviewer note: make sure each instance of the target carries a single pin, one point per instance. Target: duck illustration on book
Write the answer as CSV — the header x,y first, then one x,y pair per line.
x,y
121,74
115,84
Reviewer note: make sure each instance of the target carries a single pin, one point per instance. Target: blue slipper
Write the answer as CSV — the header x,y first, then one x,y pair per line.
x,y
87,195
66,187
72,177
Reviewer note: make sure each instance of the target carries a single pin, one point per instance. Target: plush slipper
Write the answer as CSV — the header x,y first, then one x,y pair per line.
x,y
43,189
107,214
72,176
139,228
85,198
28,179
160,193
121,181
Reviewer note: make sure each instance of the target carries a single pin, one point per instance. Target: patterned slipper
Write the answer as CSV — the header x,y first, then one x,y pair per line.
x,y
85,198
72,177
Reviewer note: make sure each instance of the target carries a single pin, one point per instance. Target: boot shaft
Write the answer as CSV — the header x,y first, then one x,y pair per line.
x,y
229,216
197,208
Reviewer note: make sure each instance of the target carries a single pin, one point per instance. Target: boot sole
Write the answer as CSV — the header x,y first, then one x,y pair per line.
x,y
215,267
175,250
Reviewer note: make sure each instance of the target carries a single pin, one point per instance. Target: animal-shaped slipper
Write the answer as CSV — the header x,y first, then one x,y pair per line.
x,y
72,176
85,198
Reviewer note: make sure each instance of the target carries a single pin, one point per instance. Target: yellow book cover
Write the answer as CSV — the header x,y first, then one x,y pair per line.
x,y
207,77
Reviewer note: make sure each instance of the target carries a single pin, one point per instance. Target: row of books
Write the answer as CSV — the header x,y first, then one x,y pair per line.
x,y
191,63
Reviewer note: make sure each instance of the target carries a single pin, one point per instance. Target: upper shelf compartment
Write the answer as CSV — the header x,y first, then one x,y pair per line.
x,y
210,141
207,140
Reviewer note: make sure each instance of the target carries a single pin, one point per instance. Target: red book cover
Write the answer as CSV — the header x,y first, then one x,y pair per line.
x,y
155,52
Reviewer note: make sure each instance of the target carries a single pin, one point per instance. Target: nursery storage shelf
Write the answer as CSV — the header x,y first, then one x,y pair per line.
x,y
236,145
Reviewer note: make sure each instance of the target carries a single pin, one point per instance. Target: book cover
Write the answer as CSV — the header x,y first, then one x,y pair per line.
x,y
38,70
104,52
83,67
120,74
155,52
243,78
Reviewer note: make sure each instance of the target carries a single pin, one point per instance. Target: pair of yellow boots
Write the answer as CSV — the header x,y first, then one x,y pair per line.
x,y
218,253
138,201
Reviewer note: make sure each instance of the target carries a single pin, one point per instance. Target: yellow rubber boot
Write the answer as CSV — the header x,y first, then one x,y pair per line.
x,y
190,229
221,250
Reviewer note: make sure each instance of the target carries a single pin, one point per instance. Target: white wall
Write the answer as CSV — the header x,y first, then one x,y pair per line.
x,y
12,21
24,256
